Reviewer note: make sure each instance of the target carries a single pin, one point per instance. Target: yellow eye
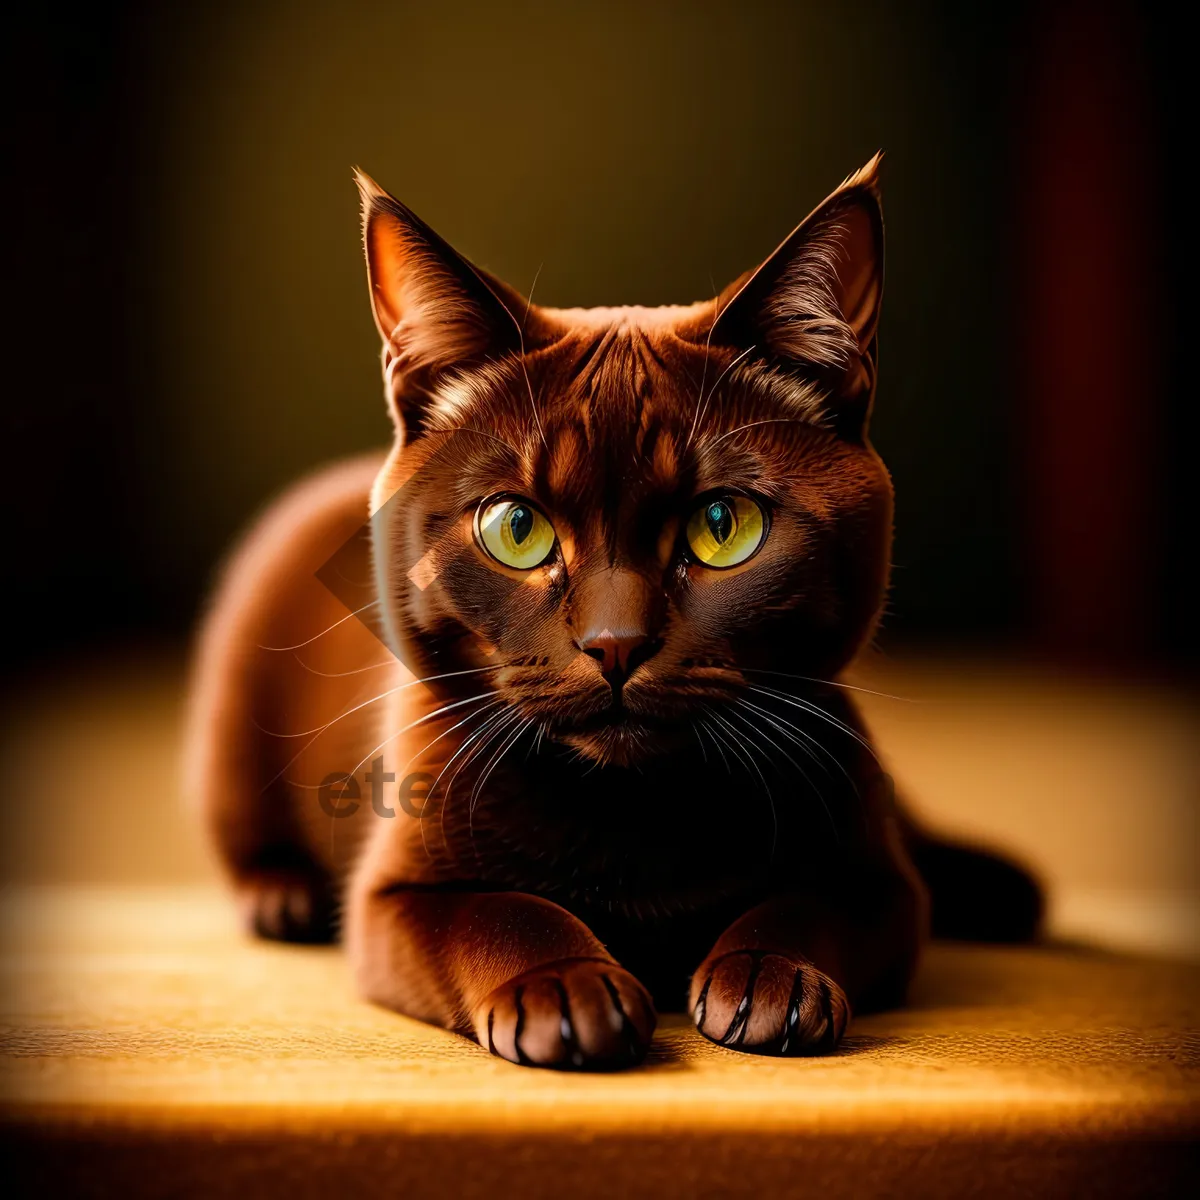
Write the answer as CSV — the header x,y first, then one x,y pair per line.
x,y
726,530
514,533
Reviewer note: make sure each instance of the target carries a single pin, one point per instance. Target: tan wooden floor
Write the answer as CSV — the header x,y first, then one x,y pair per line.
x,y
149,1049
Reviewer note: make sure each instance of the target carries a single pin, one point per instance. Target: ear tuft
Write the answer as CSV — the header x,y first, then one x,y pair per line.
x,y
367,187
801,319
867,176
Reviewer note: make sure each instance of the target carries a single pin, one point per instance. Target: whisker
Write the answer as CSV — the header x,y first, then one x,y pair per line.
x,y
809,743
491,725
524,369
770,740
309,641
817,711
446,732
319,729
431,716
850,687
803,773
416,757
716,743
737,747
733,746
703,375
717,382
761,777
768,421
806,742
799,737
391,662
499,731
495,761
484,433
529,299
772,744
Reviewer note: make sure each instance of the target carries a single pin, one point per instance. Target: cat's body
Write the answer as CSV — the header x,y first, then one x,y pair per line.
x,y
646,783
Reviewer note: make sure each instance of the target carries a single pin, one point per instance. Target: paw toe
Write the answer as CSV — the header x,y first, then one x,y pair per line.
x,y
580,1014
765,1003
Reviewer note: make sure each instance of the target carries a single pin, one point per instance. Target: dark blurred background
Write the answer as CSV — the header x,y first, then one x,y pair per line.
x,y
192,329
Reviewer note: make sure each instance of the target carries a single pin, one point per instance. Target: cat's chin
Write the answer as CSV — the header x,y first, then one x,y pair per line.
x,y
627,743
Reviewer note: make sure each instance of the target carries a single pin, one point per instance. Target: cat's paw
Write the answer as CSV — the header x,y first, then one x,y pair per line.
x,y
575,1014
287,906
765,1003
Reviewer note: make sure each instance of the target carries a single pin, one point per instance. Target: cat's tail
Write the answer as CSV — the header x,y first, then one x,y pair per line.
x,y
976,894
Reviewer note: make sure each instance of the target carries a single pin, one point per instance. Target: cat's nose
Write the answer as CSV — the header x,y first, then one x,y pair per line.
x,y
619,654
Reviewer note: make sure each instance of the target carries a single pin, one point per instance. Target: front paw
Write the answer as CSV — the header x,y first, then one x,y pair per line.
x,y
574,1014
765,1003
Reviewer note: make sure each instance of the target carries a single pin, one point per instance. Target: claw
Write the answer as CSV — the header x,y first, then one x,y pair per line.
x,y
829,1033
566,1028
793,1011
702,1003
741,1017
628,1031
518,1004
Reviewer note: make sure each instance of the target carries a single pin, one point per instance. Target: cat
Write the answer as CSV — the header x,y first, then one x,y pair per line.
x,y
585,753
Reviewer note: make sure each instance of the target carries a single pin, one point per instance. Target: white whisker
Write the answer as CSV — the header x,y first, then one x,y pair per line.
x,y
495,760
391,662
491,725
703,375
309,641
768,421
716,742
319,729
758,771
817,711
431,716
849,687
803,773
497,719
717,384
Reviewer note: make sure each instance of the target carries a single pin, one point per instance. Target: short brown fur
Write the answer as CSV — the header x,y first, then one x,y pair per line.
x,y
652,785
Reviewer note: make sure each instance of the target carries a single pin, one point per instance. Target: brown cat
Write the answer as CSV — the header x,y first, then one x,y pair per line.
x,y
620,557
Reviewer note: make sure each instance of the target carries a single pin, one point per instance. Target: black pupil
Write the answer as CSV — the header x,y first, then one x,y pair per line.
x,y
720,521
520,522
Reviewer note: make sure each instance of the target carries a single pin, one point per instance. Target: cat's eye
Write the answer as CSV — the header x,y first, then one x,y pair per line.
x,y
514,532
726,530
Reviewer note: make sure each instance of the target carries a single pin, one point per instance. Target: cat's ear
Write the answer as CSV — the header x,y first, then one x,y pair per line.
x,y
813,306
435,311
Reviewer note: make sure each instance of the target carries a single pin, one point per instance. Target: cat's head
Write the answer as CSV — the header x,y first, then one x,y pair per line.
x,y
630,514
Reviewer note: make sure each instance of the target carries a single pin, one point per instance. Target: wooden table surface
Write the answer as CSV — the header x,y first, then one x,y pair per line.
x,y
149,1050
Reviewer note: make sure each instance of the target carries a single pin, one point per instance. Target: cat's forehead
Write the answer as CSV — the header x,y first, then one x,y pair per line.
x,y
609,371
665,317
623,385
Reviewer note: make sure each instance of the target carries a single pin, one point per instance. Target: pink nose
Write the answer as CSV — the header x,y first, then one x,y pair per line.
x,y
619,655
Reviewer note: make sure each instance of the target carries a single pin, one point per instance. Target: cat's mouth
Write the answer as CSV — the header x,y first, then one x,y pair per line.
x,y
617,734
612,717
617,715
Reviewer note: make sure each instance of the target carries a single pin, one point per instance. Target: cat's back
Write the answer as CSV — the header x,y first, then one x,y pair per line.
x,y
277,660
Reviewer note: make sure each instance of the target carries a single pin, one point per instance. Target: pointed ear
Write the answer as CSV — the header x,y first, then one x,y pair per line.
x,y
813,306
434,310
